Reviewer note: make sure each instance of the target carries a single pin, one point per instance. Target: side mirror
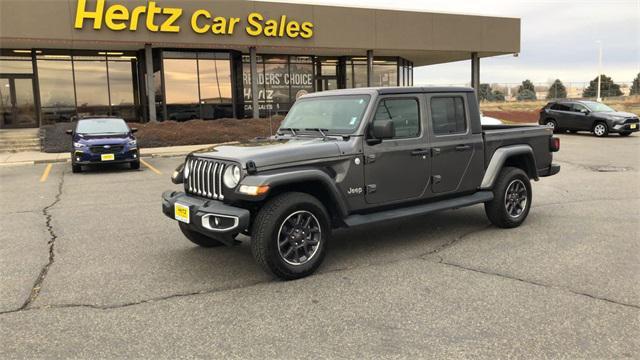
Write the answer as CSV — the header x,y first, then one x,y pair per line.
x,y
69,132
383,129
585,111
133,130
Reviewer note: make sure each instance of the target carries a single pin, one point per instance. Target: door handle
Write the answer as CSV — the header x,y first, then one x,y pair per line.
x,y
418,152
463,147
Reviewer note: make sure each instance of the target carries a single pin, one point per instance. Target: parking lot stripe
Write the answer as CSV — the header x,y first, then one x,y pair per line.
x,y
46,172
151,167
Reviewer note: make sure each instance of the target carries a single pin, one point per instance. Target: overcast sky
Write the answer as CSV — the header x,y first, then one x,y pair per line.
x,y
559,38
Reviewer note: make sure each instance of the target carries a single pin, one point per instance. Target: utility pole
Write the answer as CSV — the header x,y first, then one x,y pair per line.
x,y
599,99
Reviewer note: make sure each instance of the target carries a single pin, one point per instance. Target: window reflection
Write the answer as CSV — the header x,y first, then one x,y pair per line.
x,y
184,99
215,88
385,73
121,88
15,65
281,80
57,98
92,91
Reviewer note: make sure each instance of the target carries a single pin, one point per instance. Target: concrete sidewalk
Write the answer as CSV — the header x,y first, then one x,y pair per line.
x,y
37,157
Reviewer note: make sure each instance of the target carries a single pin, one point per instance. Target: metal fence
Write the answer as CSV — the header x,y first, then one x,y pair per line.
x,y
544,91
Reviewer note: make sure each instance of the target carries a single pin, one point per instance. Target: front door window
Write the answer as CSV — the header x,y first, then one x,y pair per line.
x,y
17,105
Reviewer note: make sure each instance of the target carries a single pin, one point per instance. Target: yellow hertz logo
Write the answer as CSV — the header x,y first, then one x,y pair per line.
x,y
118,17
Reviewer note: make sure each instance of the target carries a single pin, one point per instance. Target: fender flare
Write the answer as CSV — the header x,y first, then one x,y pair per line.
x,y
500,156
297,176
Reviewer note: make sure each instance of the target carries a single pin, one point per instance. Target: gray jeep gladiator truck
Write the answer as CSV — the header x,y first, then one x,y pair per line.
x,y
354,157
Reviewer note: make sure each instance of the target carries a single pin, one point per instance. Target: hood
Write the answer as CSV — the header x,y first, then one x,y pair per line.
x,y
103,139
615,115
274,151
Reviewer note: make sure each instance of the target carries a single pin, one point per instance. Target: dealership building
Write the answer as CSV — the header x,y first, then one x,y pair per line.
x,y
195,59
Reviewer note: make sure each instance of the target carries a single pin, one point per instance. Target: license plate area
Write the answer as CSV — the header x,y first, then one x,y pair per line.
x,y
181,213
107,157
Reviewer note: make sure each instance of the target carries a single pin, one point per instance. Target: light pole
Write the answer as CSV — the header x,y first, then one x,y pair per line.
x,y
599,99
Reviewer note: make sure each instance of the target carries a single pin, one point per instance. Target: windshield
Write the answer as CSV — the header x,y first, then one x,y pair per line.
x,y
102,126
335,114
598,107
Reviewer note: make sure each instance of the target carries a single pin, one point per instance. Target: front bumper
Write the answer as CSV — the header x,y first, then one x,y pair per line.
x,y
85,157
209,217
618,128
550,171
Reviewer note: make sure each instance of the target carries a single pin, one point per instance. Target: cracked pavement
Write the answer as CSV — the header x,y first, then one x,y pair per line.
x,y
89,267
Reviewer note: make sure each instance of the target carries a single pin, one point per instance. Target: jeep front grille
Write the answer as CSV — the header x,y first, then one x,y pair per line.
x,y
205,178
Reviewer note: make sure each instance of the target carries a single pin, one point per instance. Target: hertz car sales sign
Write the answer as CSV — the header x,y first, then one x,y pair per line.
x,y
118,17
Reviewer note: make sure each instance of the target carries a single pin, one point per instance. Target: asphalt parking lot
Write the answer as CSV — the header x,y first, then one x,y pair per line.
x,y
90,268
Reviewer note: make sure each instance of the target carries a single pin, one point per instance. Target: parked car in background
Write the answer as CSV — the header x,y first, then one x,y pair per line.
x,y
103,140
581,115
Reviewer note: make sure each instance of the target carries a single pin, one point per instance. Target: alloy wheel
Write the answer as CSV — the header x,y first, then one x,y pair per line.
x,y
299,238
515,198
599,129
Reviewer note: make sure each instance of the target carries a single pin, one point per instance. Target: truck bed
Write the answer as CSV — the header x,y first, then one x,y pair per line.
x,y
536,136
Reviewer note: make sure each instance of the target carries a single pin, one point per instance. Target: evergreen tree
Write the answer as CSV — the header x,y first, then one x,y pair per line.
x,y
557,90
484,92
607,88
527,85
526,94
635,87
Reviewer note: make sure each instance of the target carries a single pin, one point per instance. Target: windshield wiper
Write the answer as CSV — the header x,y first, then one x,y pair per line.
x,y
320,130
293,130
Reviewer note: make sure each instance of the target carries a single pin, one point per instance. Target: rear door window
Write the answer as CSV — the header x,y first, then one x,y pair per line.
x,y
448,115
561,107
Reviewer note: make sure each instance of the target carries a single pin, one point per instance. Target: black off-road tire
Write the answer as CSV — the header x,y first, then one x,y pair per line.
x,y
197,238
135,165
625,133
496,209
264,241
76,168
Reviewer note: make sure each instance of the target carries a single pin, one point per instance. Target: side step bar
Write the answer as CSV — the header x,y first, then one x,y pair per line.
x,y
422,209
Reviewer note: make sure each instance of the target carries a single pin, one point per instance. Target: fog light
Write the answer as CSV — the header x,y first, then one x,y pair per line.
x,y
219,222
135,156
77,159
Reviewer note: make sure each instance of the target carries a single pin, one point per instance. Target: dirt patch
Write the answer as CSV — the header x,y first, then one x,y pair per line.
x,y
171,133
514,116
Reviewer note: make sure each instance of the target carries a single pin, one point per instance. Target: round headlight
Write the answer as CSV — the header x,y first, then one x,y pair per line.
x,y
185,171
231,176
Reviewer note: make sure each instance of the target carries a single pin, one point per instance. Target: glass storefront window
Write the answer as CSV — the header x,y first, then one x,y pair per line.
x,y
215,89
181,81
277,87
57,96
281,80
301,80
15,65
92,89
385,73
197,86
122,91
181,89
